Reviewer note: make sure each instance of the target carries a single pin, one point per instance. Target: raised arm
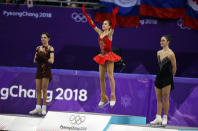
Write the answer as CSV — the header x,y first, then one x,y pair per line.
x,y
91,21
115,11
173,62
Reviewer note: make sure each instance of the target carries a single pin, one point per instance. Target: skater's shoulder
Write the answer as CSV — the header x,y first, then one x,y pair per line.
x,y
159,52
51,48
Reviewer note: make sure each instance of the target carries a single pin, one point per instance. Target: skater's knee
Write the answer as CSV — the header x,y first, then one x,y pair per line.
x,y
159,98
44,90
38,90
166,97
102,78
159,101
110,76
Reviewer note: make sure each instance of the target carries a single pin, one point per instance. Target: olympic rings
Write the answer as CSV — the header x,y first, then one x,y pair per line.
x,y
79,17
77,120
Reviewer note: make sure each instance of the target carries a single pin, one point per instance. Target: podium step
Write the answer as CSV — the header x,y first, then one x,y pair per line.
x,y
66,121
116,127
81,121
85,121
19,122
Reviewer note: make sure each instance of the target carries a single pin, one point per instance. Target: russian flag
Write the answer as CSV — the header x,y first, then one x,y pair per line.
x,y
191,18
128,14
196,1
169,9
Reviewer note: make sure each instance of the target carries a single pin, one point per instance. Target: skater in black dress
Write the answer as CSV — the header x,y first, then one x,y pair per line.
x,y
164,79
44,56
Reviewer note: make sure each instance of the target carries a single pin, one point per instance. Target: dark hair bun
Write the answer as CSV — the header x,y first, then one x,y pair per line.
x,y
47,34
168,37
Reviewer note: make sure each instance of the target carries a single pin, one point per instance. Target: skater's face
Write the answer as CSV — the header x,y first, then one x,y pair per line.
x,y
164,42
105,25
44,39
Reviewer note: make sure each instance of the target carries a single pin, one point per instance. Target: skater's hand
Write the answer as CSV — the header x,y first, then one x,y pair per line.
x,y
115,10
83,9
41,57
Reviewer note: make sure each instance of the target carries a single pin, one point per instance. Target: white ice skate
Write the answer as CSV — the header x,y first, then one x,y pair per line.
x,y
164,120
44,108
157,121
112,103
35,111
103,104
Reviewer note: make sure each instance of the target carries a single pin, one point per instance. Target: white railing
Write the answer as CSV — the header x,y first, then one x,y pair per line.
x,y
61,3
69,2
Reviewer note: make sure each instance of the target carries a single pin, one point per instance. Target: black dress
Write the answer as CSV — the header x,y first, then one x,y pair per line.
x,y
164,75
43,67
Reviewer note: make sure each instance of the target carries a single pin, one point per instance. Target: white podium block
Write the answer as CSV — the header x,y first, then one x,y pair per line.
x,y
19,122
136,128
65,121
5,121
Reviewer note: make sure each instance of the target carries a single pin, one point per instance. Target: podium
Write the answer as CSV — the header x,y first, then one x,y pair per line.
x,y
85,121
80,121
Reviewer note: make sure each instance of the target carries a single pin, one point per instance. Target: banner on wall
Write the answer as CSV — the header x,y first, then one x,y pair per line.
x,y
71,37
71,91
79,91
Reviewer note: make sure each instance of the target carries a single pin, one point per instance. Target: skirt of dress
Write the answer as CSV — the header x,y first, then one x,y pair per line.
x,y
43,71
162,81
101,59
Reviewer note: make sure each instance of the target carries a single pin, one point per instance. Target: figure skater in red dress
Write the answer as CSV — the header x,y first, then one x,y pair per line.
x,y
106,58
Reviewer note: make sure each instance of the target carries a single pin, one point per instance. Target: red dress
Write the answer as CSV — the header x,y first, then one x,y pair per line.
x,y
106,53
43,67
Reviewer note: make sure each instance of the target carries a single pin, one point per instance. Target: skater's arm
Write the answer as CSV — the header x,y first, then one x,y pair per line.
x,y
173,62
51,59
35,56
158,54
115,11
91,21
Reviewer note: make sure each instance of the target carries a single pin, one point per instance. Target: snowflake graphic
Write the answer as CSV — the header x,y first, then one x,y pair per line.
x,y
126,101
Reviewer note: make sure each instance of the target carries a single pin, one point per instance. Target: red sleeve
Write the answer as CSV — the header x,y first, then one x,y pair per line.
x,y
88,18
115,11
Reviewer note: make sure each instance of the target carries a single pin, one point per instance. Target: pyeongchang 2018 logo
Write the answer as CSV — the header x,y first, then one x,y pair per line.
x,y
77,119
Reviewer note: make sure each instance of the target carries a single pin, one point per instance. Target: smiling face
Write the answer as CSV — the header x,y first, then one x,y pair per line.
x,y
164,42
44,39
106,25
